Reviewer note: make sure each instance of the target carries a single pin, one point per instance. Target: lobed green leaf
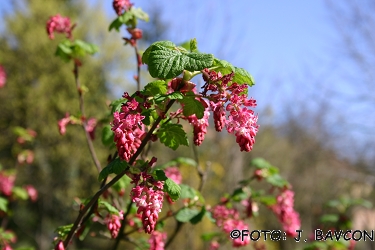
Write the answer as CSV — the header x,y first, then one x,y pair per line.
x,y
186,214
173,189
111,209
107,136
156,87
192,106
115,167
172,135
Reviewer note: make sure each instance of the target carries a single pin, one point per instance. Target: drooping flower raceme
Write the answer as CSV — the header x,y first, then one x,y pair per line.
x,y
128,128
157,240
228,220
225,95
200,127
149,202
113,222
58,24
3,77
284,210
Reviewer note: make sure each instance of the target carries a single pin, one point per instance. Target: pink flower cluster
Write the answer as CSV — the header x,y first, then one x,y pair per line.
x,y
228,219
113,222
157,240
284,210
200,126
174,174
3,77
225,95
128,128
148,197
121,5
58,24
6,183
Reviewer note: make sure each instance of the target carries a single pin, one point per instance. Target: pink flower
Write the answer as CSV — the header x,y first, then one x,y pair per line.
x,y
7,247
226,95
113,222
174,174
3,77
157,240
60,246
149,203
90,127
58,24
200,127
32,192
284,210
6,183
228,220
128,128
214,245
63,123
121,5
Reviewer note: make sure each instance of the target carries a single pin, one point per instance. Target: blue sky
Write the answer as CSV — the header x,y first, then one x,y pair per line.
x,y
291,48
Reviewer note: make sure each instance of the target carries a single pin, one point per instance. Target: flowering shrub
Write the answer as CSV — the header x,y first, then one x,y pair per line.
x,y
159,112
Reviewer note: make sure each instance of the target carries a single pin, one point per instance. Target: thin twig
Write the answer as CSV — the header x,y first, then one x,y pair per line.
x,y
84,123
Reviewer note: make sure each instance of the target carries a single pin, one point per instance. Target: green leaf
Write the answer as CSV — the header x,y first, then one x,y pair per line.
x,y
107,135
176,95
209,236
333,218
64,50
241,76
62,231
186,161
156,87
117,104
267,200
192,106
173,189
186,214
164,62
20,193
277,180
223,67
3,204
160,175
111,209
260,163
146,54
193,45
198,61
187,192
116,24
198,218
139,14
239,195
122,183
115,167
172,135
